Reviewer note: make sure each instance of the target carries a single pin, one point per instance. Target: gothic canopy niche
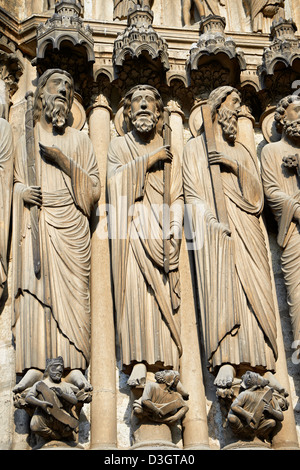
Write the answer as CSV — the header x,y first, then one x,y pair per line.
x,y
140,50
280,69
64,41
214,60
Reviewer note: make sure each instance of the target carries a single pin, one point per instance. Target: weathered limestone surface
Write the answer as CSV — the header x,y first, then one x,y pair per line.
x,y
185,63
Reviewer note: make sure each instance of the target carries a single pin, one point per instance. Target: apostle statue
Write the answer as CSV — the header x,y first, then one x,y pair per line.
x,y
280,173
51,301
204,8
6,184
231,259
121,7
263,11
147,296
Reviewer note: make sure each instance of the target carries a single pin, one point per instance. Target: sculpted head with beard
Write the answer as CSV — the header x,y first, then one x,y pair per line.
x,y
287,117
143,108
225,105
54,98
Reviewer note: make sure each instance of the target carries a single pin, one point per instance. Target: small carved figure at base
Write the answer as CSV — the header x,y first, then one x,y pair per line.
x,y
53,404
257,409
163,401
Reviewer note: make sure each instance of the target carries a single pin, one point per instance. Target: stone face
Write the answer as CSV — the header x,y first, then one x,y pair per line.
x,y
125,308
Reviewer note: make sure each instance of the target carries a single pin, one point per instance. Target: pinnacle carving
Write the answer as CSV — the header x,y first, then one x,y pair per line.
x,y
213,40
139,37
65,25
285,46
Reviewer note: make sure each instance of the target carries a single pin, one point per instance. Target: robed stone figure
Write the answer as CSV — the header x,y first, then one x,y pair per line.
x,y
122,7
280,173
232,269
260,10
6,184
51,314
204,8
147,298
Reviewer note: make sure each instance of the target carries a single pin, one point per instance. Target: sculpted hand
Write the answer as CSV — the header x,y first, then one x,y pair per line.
x,y
163,154
218,158
291,161
52,154
45,405
58,391
174,236
33,195
55,155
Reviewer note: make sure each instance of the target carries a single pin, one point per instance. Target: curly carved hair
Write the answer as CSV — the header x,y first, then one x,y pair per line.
x,y
281,108
167,377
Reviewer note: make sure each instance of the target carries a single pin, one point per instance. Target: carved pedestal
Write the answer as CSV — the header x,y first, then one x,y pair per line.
x,y
148,434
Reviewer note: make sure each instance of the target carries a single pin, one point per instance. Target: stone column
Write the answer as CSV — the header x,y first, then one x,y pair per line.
x,y
195,430
176,124
103,365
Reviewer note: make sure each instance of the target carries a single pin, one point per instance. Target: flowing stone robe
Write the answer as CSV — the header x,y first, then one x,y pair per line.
x,y
211,7
259,21
121,7
233,274
146,299
51,315
6,183
282,190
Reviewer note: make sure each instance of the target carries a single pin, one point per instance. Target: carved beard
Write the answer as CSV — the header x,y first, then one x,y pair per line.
x,y
144,121
292,128
228,120
56,109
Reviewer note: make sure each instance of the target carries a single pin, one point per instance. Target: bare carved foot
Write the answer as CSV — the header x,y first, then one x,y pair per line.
x,y
225,376
77,378
138,376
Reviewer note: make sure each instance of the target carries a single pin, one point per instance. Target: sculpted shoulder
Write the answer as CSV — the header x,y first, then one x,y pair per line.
x,y
117,142
73,132
272,149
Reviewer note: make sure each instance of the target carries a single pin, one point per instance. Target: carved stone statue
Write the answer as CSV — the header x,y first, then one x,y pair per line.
x,y
231,259
257,409
259,10
204,8
53,404
51,252
163,401
280,174
121,7
6,184
147,298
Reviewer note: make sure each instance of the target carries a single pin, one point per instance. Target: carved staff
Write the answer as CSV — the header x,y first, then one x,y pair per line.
x,y
34,211
215,172
167,193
